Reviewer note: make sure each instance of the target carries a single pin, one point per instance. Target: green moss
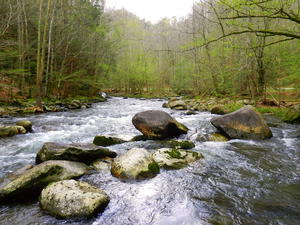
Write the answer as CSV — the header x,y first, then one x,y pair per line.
x,y
231,107
182,144
153,168
285,114
107,141
174,153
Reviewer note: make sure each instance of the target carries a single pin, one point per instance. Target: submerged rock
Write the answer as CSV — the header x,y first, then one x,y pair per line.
x,y
137,163
32,181
244,123
70,198
155,124
181,144
102,164
171,158
217,137
26,124
107,141
74,152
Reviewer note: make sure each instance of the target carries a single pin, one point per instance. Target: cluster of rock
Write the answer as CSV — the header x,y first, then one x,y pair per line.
x,y
59,164
56,106
245,123
212,105
52,179
56,165
21,127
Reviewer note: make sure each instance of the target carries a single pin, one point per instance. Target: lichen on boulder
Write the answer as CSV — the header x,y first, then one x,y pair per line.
x,y
32,181
74,152
172,158
73,199
135,164
26,124
181,144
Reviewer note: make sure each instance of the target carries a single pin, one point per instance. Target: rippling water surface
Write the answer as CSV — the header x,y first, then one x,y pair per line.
x,y
238,182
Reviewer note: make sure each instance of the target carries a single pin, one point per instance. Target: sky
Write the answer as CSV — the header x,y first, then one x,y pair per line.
x,y
153,10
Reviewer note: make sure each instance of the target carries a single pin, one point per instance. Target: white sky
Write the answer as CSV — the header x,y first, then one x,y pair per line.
x,y
153,10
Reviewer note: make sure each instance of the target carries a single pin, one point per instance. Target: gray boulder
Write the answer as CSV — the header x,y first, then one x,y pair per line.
x,y
32,181
155,124
74,152
244,123
175,158
137,163
73,199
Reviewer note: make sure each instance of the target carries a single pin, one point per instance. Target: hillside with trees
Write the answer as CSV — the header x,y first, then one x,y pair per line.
x,y
52,49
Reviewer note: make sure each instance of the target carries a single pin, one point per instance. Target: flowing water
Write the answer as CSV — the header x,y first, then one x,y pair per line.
x,y
238,182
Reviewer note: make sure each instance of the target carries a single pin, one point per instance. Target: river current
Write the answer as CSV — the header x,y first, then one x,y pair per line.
x,y
238,182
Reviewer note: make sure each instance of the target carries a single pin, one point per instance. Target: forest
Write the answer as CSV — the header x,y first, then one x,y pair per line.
x,y
52,49
108,118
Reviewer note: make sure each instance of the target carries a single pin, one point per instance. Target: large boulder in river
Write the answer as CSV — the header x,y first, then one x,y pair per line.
x,y
73,199
26,124
155,124
32,181
244,123
74,152
171,158
107,141
137,163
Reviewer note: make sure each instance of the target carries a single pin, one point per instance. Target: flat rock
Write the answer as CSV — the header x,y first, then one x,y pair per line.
x,y
73,152
177,104
171,158
73,199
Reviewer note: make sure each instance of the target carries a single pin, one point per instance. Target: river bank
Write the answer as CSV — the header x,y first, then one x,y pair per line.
x,y
286,111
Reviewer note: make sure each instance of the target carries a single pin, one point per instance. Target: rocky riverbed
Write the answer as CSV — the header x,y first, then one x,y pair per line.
x,y
237,182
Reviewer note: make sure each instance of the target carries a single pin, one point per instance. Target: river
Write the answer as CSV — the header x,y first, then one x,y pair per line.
x,y
238,182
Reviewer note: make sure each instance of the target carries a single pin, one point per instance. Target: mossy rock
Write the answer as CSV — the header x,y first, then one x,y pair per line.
x,y
74,152
73,199
135,164
107,141
244,123
171,158
26,124
32,181
9,131
181,144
